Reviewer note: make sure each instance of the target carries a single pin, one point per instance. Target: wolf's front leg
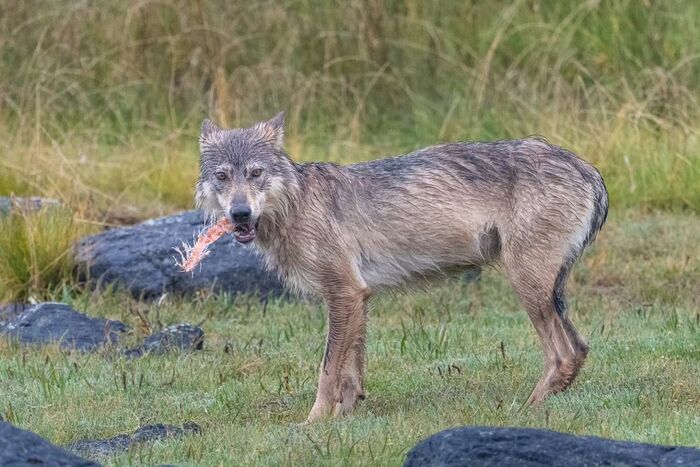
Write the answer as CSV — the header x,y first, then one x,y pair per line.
x,y
340,384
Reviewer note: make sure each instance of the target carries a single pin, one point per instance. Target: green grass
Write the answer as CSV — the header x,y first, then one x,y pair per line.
x,y
36,252
460,354
100,104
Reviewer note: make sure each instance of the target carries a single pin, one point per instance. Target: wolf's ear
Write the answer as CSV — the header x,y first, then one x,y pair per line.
x,y
274,130
208,128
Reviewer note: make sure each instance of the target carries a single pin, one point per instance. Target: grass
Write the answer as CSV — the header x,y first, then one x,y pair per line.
x,y
461,354
100,104
36,252
113,107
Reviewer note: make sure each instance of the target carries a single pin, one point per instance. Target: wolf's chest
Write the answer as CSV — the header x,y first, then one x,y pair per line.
x,y
290,268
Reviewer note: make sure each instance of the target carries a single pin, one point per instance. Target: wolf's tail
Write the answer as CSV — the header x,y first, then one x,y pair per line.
x,y
600,209
597,218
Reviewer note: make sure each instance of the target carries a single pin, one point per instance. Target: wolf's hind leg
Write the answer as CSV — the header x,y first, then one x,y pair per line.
x,y
579,343
561,362
564,348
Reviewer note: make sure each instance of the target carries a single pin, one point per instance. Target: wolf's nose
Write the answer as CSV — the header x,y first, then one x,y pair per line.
x,y
240,213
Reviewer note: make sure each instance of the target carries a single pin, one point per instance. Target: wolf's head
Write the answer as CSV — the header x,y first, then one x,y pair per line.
x,y
244,174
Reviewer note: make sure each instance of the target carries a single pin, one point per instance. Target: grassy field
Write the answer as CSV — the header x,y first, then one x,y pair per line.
x,y
100,105
461,354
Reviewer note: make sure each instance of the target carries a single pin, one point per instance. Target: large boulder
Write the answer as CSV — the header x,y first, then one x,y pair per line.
x,y
101,448
141,258
20,448
57,322
480,446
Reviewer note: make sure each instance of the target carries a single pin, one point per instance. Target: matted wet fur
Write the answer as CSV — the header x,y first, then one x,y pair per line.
x,y
346,232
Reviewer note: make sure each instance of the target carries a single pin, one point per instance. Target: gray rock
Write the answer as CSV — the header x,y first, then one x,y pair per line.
x,y
141,258
100,448
13,204
21,447
177,337
34,203
57,322
480,446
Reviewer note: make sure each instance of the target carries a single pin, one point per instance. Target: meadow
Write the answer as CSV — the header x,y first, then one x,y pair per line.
x,y
100,106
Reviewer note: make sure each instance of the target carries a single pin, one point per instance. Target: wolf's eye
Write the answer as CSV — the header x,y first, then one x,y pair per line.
x,y
255,173
220,176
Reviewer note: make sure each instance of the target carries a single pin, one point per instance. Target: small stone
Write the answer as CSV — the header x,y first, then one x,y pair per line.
x,y
177,337
16,204
100,448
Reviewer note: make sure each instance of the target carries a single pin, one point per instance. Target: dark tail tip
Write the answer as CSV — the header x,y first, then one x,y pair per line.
x,y
559,296
600,210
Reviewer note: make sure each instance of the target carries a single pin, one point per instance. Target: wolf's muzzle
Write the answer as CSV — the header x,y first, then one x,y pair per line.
x,y
244,226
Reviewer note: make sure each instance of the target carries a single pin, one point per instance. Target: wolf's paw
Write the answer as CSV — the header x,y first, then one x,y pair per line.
x,y
351,392
320,410
342,401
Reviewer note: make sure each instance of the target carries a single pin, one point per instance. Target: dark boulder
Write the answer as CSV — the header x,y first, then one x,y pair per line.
x,y
101,448
141,258
481,446
177,337
57,322
21,448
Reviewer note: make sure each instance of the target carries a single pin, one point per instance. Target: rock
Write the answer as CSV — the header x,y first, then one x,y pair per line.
x,y
141,258
177,337
15,204
101,448
482,446
21,447
51,322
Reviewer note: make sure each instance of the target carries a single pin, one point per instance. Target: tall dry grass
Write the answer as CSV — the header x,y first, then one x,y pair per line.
x,y
36,252
101,99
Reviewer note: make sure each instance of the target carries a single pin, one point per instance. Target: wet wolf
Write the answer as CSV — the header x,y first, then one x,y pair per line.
x,y
347,232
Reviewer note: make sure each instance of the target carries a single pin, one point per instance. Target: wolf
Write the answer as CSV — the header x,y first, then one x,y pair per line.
x,y
345,233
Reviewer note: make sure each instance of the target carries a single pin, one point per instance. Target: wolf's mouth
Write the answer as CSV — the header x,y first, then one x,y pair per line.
x,y
245,233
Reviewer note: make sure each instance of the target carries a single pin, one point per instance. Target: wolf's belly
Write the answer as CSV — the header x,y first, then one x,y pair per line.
x,y
411,268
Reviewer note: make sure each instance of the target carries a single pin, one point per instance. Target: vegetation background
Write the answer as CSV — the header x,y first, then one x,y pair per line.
x,y
100,106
